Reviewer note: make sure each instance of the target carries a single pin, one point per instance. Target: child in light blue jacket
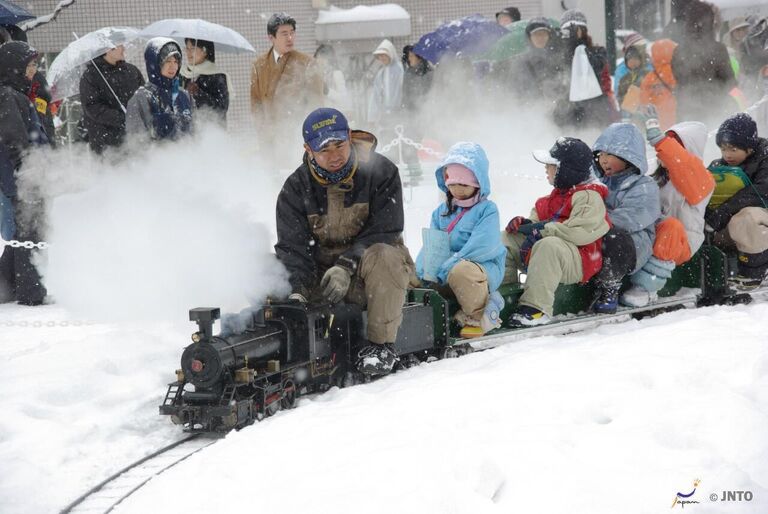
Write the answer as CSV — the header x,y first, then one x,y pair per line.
x,y
475,267
633,208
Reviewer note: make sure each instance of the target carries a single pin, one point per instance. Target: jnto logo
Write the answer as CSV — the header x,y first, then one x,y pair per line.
x,y
683,499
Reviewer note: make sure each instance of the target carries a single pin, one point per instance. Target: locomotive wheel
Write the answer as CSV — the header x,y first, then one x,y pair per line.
x,y
288,400
272,408
449,352
410,361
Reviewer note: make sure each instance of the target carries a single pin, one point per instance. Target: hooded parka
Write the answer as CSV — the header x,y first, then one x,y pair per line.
x,y
160,108
475,237
633,197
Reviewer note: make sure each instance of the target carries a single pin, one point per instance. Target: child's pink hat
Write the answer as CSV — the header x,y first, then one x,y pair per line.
x,y
459,174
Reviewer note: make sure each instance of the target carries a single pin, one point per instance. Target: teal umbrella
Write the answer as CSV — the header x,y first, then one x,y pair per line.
x,y
513,43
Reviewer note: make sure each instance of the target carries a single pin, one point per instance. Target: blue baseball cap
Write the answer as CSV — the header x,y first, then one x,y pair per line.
x,y
323,126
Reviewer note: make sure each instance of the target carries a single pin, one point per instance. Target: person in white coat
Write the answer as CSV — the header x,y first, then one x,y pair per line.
x,y
387,89
685,187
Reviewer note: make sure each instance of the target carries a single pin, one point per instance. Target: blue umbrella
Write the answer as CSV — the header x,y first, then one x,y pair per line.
x,y
12,14
468,36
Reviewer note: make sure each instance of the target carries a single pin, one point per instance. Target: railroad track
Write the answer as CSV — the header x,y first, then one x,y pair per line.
x,y
106,495
569,324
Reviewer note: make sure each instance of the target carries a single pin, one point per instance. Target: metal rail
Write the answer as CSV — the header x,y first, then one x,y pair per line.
x,y
106,495
569,324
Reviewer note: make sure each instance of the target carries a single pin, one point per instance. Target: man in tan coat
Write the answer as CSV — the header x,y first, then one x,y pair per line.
x,y
285,84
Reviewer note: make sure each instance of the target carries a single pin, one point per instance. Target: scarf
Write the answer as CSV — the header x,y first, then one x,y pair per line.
x,y
467,202
334,177
205,68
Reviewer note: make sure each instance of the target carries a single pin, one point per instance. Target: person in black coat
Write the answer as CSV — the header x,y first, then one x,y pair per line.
x,y
201,78
20,128
595,112
105,88
39,93
340,220
539,72
417,80
741,219
702,68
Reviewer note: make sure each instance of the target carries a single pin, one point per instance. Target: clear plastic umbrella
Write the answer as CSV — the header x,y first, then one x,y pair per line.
x,y
65,71
225,39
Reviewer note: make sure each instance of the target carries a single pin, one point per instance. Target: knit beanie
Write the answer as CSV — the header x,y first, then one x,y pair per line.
x,y
572,17
459,174
634,39
739,130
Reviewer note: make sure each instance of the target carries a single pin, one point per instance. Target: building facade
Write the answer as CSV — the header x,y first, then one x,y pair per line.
x,y
245,16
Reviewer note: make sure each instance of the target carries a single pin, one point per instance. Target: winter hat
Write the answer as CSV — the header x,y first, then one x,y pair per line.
x,y
737,23
739,130
540,23
460,174
634,39
572,17
573,159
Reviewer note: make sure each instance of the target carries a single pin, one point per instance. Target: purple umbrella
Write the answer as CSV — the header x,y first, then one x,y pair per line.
x,y
468,36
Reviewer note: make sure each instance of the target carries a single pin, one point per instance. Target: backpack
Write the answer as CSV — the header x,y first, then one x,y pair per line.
x,y
729,180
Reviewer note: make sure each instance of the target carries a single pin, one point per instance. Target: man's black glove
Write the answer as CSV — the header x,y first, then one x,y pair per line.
x,y
717,218
335,283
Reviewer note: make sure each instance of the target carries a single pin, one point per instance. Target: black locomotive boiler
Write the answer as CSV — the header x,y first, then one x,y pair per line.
x,y
286,351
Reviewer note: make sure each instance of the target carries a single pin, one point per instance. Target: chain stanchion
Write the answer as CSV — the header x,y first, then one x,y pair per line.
x,y
42,245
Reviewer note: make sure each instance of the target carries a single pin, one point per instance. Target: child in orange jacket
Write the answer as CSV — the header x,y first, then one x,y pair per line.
x,y
685,187
658,86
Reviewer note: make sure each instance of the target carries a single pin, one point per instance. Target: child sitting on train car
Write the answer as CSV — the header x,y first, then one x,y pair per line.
x,y
474,266
560,242
633,208
685,187
742,217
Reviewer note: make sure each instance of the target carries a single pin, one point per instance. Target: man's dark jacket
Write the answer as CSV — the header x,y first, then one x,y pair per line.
x,y
103,115
320,225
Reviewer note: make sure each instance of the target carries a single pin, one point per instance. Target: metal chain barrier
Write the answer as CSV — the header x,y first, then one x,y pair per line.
x,y
401,139
42,245
47,323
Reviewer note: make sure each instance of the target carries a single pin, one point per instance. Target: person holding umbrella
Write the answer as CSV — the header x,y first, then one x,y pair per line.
x,y
201,78
105,88
20,129
160,109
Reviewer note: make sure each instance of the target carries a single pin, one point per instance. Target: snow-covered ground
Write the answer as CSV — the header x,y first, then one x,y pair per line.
x,y
617,419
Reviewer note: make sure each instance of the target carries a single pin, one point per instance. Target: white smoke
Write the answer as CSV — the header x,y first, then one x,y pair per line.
x,y
149,233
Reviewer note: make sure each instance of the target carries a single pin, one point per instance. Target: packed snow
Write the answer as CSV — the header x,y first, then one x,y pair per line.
x,y
617,419
362,13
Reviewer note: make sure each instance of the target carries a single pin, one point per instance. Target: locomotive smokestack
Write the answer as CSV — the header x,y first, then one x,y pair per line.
x,y
205,317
